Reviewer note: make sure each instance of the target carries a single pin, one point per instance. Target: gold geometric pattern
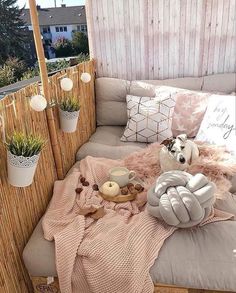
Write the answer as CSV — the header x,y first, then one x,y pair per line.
x,y
149,119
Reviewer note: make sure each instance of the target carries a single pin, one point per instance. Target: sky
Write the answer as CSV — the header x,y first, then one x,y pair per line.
x,y
50,3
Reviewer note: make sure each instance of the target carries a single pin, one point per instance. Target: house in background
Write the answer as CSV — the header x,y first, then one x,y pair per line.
x,y
58,22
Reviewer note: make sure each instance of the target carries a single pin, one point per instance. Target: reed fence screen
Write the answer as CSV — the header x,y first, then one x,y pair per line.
x,y
21,208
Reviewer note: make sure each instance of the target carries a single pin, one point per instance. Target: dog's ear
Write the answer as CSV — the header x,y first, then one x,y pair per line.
x,y
183,137
166,142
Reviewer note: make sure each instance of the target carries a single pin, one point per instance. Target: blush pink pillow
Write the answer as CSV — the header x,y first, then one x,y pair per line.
x,y
188,113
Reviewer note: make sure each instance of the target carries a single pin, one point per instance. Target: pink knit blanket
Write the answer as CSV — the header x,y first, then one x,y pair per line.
x,y
114,253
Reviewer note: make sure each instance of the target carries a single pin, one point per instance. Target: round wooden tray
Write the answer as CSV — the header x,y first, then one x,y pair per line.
x,y
119,198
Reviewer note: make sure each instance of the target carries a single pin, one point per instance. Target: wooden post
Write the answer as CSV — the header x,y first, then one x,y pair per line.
x,y
45,86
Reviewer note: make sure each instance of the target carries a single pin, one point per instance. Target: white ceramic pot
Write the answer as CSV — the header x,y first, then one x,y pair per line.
x,y
21,169
68,120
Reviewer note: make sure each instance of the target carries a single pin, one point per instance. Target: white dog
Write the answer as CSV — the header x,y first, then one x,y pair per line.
x,y
178,153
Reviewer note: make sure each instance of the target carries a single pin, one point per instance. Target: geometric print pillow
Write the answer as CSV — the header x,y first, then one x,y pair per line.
x,y
149,119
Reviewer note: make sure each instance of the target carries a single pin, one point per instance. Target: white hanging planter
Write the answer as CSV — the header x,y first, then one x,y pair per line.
x,y
21,169
68,120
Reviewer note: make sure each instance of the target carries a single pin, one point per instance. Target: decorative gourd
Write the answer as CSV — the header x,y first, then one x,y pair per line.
x,y
110,188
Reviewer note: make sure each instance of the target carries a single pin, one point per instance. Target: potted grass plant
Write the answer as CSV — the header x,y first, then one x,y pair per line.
x,y
23,153
69,109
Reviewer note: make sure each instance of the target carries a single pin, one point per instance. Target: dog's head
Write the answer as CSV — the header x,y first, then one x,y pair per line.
x,y
176,148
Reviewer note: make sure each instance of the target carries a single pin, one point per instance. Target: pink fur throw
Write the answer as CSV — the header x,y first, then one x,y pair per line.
x,y
214,162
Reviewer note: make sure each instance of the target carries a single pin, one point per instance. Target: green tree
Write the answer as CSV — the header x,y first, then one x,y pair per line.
x,y
13,33
6,75
63,47
80,43
17,66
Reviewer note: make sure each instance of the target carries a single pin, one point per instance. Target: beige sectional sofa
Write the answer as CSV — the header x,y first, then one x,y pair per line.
x,y
201,258
112,114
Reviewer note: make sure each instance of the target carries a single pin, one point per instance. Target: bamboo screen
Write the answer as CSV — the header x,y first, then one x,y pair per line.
x,y
21,208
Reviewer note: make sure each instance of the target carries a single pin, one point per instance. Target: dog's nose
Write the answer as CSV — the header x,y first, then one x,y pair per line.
x,y
182,160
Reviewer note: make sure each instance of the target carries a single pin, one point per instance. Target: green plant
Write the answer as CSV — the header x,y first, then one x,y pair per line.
x,y
13,31
70,104
82,57
30,72
58,65
80,43
6,75
18,66
63,47
12,71
24,145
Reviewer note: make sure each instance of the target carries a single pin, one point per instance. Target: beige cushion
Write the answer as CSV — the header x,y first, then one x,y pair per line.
x,y
195,258
110,101
105,142
147,87
39,255
111,92
202,258
225,83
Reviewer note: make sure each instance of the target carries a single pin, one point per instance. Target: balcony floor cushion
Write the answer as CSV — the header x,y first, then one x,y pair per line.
x,y
105,142
199,258
195,258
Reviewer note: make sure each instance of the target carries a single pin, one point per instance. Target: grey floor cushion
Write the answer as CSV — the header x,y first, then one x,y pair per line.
x,y
105,142
196,258
199,258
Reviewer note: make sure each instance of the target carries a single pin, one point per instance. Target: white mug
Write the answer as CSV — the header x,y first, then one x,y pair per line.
x,y
121,175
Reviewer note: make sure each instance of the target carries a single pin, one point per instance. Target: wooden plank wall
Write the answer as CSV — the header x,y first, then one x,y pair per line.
x,y
159,39
21,208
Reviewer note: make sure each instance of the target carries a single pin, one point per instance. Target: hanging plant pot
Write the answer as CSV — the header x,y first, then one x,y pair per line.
x,y
68,120
21,169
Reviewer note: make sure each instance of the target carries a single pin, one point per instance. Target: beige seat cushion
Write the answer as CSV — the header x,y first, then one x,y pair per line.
x,y
203,258
39,255
105,142
195,258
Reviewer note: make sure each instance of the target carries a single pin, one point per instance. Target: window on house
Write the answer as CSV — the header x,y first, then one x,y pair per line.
x,y
46,29
83,28
61,29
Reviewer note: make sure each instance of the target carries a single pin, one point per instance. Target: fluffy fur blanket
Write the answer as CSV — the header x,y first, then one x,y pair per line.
x,y
214,162
116,252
